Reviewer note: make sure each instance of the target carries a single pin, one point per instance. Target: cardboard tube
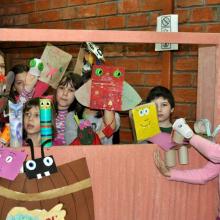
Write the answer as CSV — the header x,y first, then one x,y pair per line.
x,y
183,155
177,137
170,158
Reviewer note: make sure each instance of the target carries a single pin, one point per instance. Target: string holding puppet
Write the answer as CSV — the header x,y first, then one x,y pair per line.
x,y
203,127
43,166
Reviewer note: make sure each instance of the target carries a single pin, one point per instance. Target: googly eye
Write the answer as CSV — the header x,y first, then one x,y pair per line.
x,y
146,111
117,74
32,63
8,159
99,52
48,161
40,66
31,165
141,112
99,72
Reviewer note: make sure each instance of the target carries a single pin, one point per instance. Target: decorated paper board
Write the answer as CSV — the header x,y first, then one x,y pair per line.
x,y
55,63
144,121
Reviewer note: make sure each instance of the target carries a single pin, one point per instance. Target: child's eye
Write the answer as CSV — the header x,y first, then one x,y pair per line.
x,y
36,115
27,114
61,87
71,90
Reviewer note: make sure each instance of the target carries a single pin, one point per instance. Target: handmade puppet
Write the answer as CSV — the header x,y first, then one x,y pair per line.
x,y
107,90
37,168
36,67
55,62
145,122
5,135
16,124
11,162
46,121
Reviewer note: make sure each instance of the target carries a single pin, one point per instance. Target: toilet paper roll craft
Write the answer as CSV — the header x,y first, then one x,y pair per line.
x,y
11,162
16,124
39,167
46,122
55,62
36,67
144,121
5,135
107,90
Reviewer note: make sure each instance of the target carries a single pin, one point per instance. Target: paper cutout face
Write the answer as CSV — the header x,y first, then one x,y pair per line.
x,y
95,50
36,67
144,121
106,88
55,63
56,213
10,162
16,121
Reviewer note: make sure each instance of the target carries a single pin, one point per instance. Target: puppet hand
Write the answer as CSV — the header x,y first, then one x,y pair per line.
x,y
164,170
36,67
182,128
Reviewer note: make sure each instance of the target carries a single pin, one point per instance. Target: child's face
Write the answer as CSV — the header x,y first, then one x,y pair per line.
x,y
65,96
19,82
164,109
32,120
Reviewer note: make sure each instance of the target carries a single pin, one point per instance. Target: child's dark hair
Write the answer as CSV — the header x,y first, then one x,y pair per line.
x,y
18,68
75,80
160,91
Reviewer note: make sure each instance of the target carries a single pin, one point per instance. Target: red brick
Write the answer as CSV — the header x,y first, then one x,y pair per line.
x,y
95,1
86,11
203,14
52,15
149,63
142,91
21,19
125,121
140,50
126,136
57,25
137,20
212,28
185,95
42,5
113,50
153,18
76,2
35,18
151,5
183,16
107,9
68,13
211,2
183,63
12,9
181,111
76,25
135,78
152,79
191,28
9,20
58,3
27,7
182,79
115,22
95,23
128,64
189,3
2,11
128,6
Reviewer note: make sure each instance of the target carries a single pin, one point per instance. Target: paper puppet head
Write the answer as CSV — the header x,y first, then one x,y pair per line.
x,y
55,63
16,124
36,67
144,121
37,168
11,162
86,135
107,90
95,50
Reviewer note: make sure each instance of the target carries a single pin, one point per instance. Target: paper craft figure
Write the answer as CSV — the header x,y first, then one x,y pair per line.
x,y
11,162
36,67
5,135
145,122
108,90
19,213
37,168
16,124
55,62
46,121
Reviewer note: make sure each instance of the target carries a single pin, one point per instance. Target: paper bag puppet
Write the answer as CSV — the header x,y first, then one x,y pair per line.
x,y
37,168
107,90
144,121
11,162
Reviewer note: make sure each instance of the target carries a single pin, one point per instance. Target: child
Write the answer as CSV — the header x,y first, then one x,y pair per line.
x,y
65,102
205,147
32,121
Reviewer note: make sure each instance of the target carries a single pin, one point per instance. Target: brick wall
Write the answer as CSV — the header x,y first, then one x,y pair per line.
x,y
143,65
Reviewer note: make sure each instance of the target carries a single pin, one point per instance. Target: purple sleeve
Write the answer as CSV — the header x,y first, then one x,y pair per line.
x,y
196,176
25,96
207,148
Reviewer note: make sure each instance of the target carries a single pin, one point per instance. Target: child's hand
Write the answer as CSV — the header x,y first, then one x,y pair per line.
x,y
164,170
30,82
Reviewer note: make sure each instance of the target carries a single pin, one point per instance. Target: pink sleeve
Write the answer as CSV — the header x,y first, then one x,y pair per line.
x,y
206,147
196,176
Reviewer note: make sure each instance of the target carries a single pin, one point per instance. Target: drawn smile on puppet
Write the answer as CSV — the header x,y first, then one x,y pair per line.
x,y
145,122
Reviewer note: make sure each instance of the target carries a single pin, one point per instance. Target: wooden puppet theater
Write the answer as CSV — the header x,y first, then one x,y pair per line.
x,y
121,180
